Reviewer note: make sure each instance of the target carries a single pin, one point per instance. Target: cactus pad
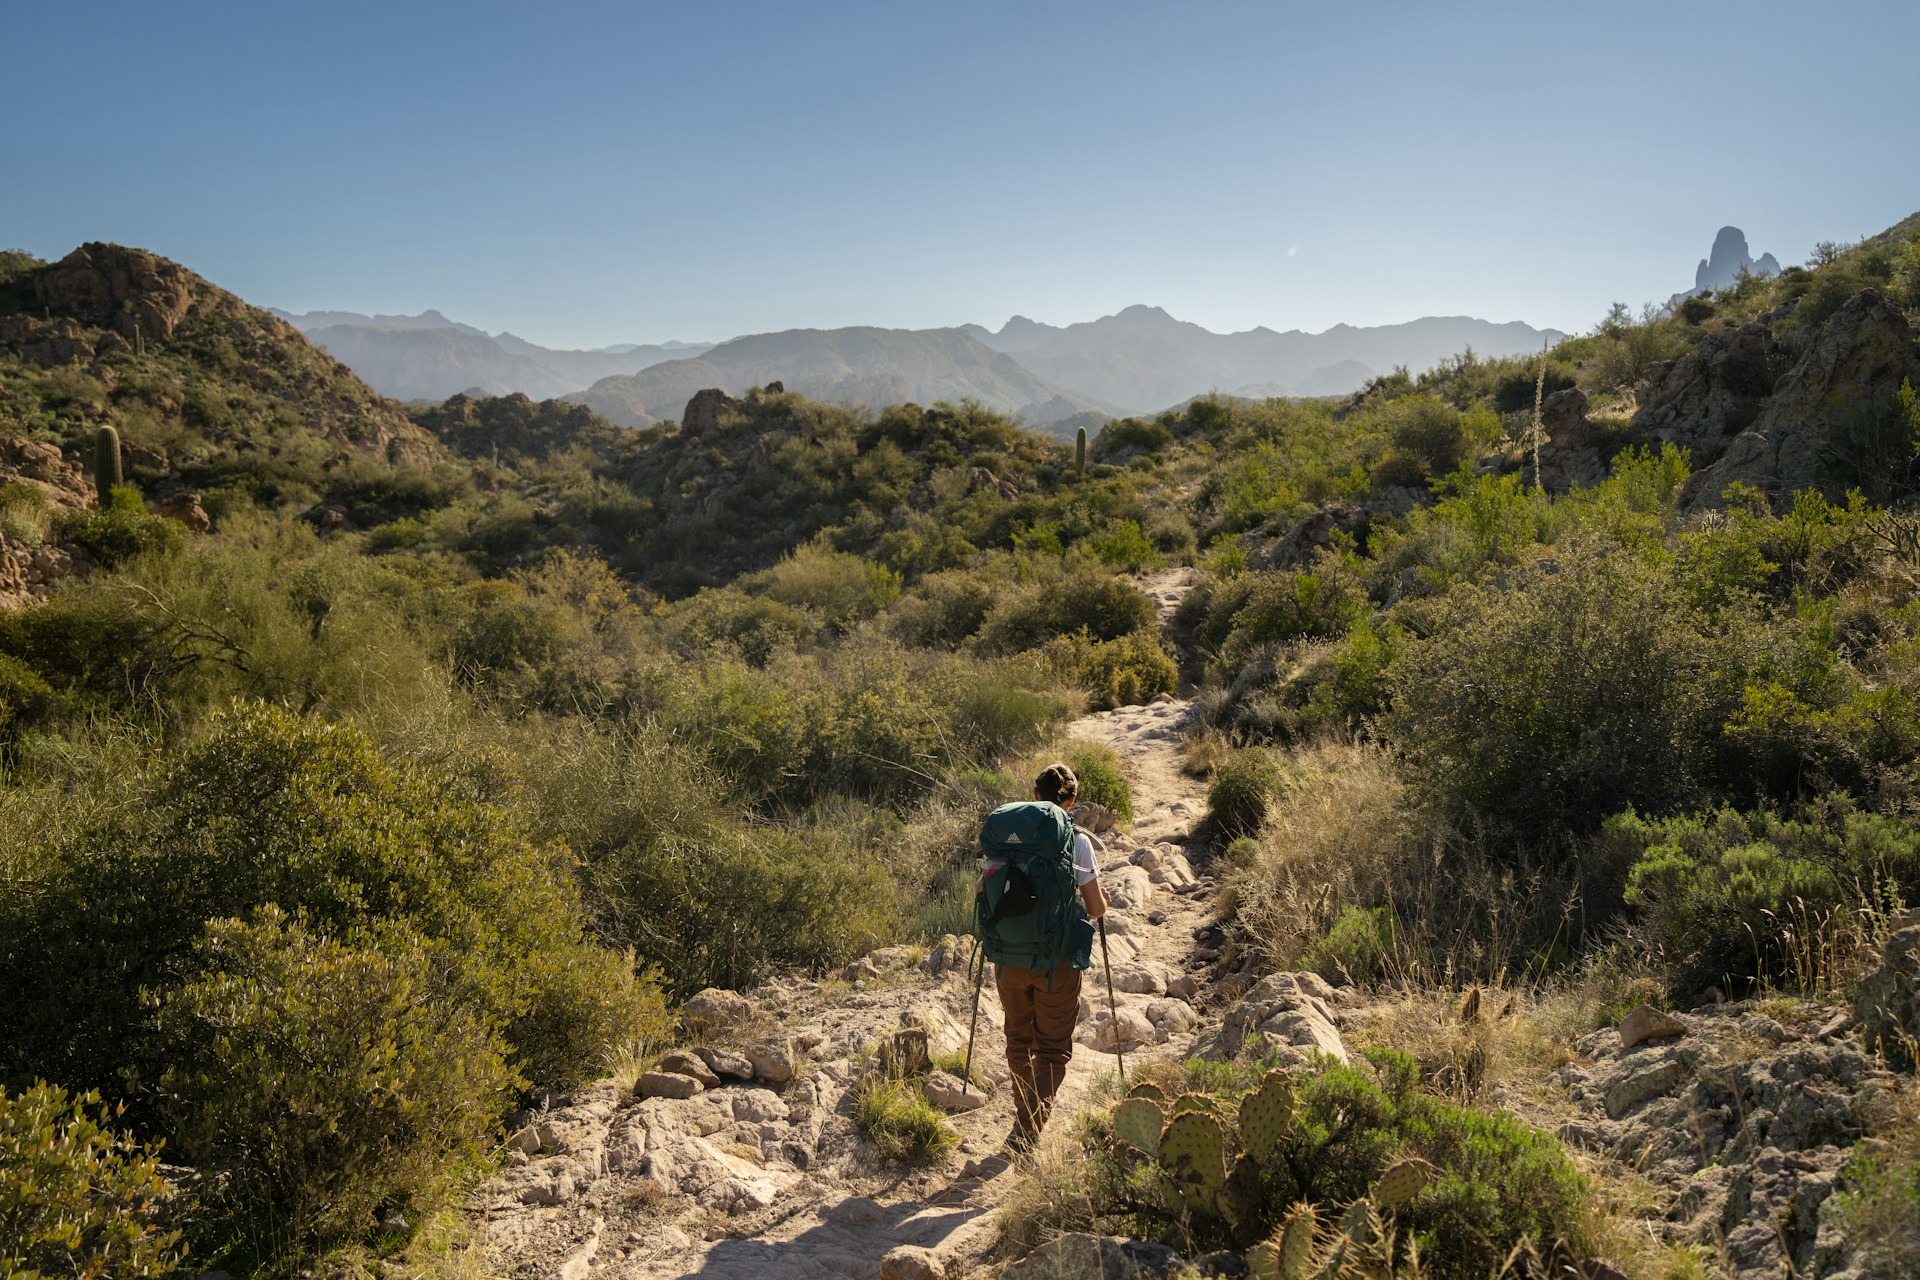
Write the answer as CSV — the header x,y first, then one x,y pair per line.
x,y
1402,1182
1148,1089
1265,1114
1244,1194
1193,1150
1359,1223
1296,1242
1263,1262
1200,1102
1136,1122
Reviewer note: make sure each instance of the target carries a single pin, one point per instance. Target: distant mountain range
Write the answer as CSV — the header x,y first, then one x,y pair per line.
x,y
429,357
860,365
1144,360
1139,361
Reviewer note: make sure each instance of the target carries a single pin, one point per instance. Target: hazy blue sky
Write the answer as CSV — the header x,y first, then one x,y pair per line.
x,y
588,174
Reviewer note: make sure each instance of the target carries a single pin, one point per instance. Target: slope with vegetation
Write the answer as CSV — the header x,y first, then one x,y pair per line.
x,y
469,741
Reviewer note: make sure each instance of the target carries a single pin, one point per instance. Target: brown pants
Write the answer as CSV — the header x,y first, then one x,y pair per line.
x,y
1039,1017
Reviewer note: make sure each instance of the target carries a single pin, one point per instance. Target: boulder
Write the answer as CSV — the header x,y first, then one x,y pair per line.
x,y
758,1106
1887,1001
1855,364
186,508
770,1064
682,1062
1087,1257
1094,818
1702,401
1172,1017
951,1093
667,1084
725,1062
1648,1023
911,1262
704,411
1278,1011
1140,978
715,1009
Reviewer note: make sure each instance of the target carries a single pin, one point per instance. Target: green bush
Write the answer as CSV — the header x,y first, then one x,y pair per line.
x,y
899,1121
1581,687
1081,598
77,1197
1359,947
1242,789
121,531
1736,897
1254,609
1126,672
274,808
330,1080
1101,781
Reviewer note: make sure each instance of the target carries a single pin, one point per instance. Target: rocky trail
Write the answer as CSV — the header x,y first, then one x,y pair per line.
x,y
761,1173
738,1156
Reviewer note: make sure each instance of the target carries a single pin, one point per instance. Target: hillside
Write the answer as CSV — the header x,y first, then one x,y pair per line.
x,y
496,840
429,357
1144,360
863,366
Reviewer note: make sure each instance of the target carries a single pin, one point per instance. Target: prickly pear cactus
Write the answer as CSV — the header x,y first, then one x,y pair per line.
x,y
1193,1150
1148,1089
1295,1241
1244,1196
1359,1223
1205,1104
1402,1182
1137,1122
1265,1114
1263,1262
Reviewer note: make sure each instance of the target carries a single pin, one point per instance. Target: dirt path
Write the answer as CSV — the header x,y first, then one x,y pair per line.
x,y
768,1180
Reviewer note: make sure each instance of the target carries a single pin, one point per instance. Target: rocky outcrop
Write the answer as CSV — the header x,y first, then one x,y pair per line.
x,y
1887,1001
1727,260
1288,1016
704,412
138,295
1701,401
1855,365
1746,1124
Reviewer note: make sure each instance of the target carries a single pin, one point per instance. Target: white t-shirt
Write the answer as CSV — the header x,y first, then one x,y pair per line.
x,y
1084,870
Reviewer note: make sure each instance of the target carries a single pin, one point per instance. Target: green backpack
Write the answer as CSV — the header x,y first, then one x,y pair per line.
x,y
1026,908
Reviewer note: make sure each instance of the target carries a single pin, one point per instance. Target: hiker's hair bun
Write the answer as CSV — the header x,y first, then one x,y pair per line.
x,y
1056,783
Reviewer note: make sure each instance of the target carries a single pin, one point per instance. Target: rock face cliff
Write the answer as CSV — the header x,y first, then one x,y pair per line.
x,y
1728,258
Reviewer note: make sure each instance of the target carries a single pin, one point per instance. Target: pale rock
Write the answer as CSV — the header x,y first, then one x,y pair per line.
x,y
911,1262
1140,978
950,1093
667,1084
770,1064
1640,1079
1128,1031
1087,1257
525,1140
725,1062
715,1009
682,1062
1172,1017
1183,986
1648,1023
1147,858
758,1106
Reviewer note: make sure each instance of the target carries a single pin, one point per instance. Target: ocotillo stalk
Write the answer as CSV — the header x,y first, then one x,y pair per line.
x,y
1539,393
106,464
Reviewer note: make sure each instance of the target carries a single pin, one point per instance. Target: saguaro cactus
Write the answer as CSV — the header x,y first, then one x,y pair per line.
x,y
1080,450
106,464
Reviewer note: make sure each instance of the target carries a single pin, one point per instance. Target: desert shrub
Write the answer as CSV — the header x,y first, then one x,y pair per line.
x,y
1738,897
1080,598
274,808
1428,431
1501,1186
1259,608
944,608
1125,672
839,588
120,531
1582,687
1123,547
330,1079
675,869
1358,947
1241,791
1101,780
78,1197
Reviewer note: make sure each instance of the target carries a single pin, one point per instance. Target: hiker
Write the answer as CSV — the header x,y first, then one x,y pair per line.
x,y
1040,892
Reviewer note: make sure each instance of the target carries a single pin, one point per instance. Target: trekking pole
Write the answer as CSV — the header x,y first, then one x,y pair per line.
x,y
979,981
1113,1004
